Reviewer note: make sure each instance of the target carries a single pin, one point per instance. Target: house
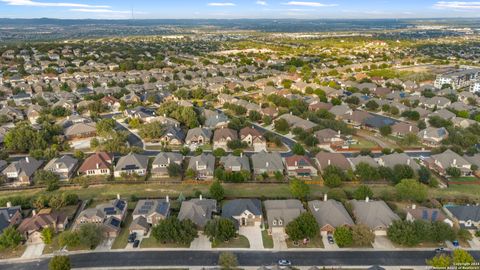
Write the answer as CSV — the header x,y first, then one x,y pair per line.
x,y
139,226
10,216
441,162
149,213
33,113
443,113
427,214
281,212
80,131
232,163
356,118
97,164
330,138
300,166
222,136
22,171
198,136
244,212
32,227
199,211
374,214
64,166
297,122
433,136
436,102
330,214
325,159
172,135
355,161
401,129
163,160
131,164
340,110
107,215
253,138
203,165
268,163
467,216
217,120
397,159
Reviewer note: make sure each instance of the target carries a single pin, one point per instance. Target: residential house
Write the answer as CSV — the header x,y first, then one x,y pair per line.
x,y
64,166
232,163
427,214
397,159
268,163
400,129
280,213
198,136
243,212
33,113
22,171
80,131
203,165
172,135
433,136
10,216
443,113
253,138
222,136
441,163
31,228
356,118
300,166
217,120
199,211
149,212
330,214
374,214
163,160
330,138
99,163
131,164
436,102
467,216
363,159
297,122
325,159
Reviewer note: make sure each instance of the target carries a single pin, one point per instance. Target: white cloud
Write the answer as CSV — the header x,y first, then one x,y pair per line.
x,y
309,4
457,5
262,3
99,10
50,4
221,4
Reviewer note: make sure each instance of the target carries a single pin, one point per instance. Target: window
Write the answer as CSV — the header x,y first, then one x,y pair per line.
x,y
280,222
274,222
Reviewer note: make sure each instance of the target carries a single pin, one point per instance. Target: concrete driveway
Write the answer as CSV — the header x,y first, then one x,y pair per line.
x,y
474,243
328,245
33,251
105,245
382,242
254,236
201,242
279,239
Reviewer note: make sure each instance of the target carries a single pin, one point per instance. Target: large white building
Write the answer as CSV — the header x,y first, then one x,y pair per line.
x,y
475,87
457,79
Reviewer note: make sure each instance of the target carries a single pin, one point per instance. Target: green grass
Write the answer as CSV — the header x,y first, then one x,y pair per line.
x,y
122,239
239,242
151,242
12,252
363,144
267,239
315,242
464,179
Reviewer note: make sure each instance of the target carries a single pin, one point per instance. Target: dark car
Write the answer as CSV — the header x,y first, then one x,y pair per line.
x,y
284,263
132,237
136,243
439,250
330,239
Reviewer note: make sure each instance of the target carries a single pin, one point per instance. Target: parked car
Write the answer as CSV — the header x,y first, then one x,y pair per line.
x,y
132,237
284,262
439,250
330,239
136,243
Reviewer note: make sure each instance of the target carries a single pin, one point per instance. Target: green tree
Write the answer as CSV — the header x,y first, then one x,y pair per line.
x,y
362,235
362,192
298,149
402,171
174,170
454,172
105,127
151,131
59,263
441,261
343,236
366,172
385,130
462,257
47,235
48,178
372,105
216,191
172,230
281,125
424,175
227,261
299,189
403,233
220,230
10,238
332,180
69,239
219,152
304,226
90,235
411,189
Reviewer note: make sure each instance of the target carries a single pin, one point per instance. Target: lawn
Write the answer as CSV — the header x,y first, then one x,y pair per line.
x,y
122,239
465,179
55,246
12,253
363,144
315,242
239,242
151,242
267,239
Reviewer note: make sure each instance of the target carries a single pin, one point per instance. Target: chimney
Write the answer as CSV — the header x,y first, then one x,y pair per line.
x,y
167,199
351,113
9,204
196,164
34,212
329,162
27,160
241,154
164,115
266,164
200,197
410,128
339,133
454,161
118,196
98,165
408,161
57,165
367,199
414,206
290,113
168,160
325,197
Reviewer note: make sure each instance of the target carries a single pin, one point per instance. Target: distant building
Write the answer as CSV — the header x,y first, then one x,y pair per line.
x,y
457,79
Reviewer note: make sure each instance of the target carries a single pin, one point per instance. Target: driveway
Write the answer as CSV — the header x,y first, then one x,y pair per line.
x,y
105,245
474,243
201,242
327,245
279,239
382,242
33,251
254,236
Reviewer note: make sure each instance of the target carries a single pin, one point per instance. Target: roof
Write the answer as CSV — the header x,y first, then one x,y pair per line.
x,y
267,161
6,214
433,132
26,166
465,212
167,158
378,121
286,210
99,160
235,161
450,158
404,128
149,207
199,211
325,159
237,207
363,159
196,132
205,159
297,160
80,128
427,214
374,214
64,162
40,221
330,212
396,159
224,134
132,161
140,223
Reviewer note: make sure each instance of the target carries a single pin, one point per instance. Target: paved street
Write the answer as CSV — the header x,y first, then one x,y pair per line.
x,y
245,258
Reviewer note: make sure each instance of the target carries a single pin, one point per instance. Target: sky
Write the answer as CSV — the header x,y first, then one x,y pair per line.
x,y
237,9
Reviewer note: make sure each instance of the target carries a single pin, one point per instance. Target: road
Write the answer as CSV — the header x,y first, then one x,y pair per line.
x,y
245,258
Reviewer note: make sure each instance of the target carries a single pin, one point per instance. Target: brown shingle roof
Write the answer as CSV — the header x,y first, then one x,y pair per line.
x,y
103,160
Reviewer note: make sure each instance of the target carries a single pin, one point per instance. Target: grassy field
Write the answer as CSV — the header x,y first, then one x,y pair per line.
x,y
122,239
12,253
151,242
465,179
363,144
239,242
267,239
314,243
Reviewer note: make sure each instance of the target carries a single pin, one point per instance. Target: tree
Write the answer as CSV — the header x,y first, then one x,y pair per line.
x,y
299,189
219,152
48,178
403,233
216,191
47,235
402,171
174,170
281,125
366,172
362,192
304,226
69,239
385,130
343,236
105,127
172,230
151,131
10,238
454,172
411,189
362,235
372,105
298,149
424,175
90,235
59,263
441,261
254,116
220,230
227,260
462,257
332,180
